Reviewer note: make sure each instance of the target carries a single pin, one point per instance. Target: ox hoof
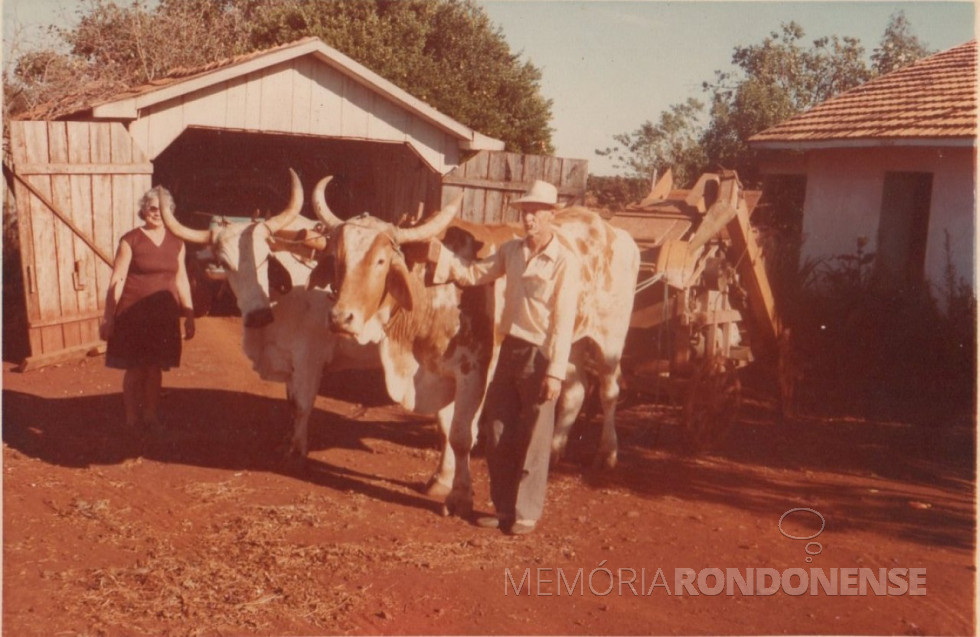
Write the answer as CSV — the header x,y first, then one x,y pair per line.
x,y
294,463
555,459
460,507
436,489
464,509
605,461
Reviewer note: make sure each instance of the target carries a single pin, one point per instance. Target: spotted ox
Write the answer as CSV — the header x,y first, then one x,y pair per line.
x,y
610,264
438,343
281,339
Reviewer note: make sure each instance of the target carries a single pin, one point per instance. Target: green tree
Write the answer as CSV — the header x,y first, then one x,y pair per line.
x,y
137,44
898,47
445,52
671,143
614,192
113,47
772,82
768,83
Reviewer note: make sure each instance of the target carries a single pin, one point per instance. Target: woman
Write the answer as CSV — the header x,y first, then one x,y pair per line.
x,y
148,291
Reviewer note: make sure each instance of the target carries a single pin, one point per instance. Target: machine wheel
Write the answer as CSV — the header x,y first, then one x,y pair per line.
x,y
711,406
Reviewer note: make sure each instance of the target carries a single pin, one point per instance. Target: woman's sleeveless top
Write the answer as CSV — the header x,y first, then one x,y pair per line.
x,y
152,269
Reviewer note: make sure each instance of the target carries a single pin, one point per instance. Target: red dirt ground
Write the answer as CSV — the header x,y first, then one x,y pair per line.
x,y
200,530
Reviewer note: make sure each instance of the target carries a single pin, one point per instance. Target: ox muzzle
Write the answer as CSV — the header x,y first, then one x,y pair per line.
x,y
259,318
341,320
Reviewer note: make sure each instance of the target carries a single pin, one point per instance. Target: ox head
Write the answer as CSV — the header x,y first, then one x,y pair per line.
x,y
244,249
366,269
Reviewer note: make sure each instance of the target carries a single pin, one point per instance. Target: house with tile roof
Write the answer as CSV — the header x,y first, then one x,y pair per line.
x,y
893,162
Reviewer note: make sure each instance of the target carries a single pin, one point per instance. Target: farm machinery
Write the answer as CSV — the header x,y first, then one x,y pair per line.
x,y
703,307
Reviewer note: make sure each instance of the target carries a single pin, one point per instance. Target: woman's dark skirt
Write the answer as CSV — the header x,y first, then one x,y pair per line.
x,y
146,334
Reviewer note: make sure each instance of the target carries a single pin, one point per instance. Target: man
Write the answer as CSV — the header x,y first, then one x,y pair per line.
x,y
541,294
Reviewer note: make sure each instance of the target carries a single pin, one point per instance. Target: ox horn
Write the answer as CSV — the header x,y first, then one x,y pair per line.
x,y
192,235
320,207
432,227
286,217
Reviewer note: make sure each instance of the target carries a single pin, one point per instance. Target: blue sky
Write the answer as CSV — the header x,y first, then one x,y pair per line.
x,y
610,66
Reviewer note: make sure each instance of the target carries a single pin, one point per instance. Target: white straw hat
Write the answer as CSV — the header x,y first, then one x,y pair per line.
x,y
541,194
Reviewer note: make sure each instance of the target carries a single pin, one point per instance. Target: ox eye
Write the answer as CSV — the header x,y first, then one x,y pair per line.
x,y
380,261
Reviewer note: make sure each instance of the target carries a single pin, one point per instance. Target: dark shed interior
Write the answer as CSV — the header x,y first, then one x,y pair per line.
x,y
239,174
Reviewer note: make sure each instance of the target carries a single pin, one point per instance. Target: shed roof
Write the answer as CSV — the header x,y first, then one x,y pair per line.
x,y
930,102
179,82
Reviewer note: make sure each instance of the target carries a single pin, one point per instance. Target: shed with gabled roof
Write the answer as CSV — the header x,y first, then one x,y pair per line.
x,y
301,88
221,138
892,161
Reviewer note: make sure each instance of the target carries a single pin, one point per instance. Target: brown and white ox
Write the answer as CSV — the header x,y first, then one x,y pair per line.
x,y
439,343
284,336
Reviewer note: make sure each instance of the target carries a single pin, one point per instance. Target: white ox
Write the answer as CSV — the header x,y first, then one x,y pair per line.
x,y
245,249
439,347
285,339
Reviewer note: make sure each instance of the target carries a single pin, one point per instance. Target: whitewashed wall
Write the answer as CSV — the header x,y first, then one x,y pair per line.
x,y
844,193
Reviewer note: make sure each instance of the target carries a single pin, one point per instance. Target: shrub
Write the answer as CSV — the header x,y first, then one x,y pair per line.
x,y
613,193
870,349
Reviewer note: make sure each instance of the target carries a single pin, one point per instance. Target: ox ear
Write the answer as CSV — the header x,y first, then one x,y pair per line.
x,y
280,280
322,274
399,284
462,242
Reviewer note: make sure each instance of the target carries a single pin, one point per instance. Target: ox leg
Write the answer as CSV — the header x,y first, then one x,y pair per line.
x,y
441,482
608,397
569,405
462,437
301,392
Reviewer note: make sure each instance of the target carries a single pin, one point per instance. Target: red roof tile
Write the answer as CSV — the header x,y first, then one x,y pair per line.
x,y
936,97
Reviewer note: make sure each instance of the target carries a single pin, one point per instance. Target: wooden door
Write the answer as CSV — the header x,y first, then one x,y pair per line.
x,y
903,229
77,185
491,179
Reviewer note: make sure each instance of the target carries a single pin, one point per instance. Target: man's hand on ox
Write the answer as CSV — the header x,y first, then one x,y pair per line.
x,y
435,247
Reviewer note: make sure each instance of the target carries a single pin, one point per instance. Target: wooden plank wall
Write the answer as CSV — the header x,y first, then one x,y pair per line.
x,y
491,179
403,183
390,181
86,175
